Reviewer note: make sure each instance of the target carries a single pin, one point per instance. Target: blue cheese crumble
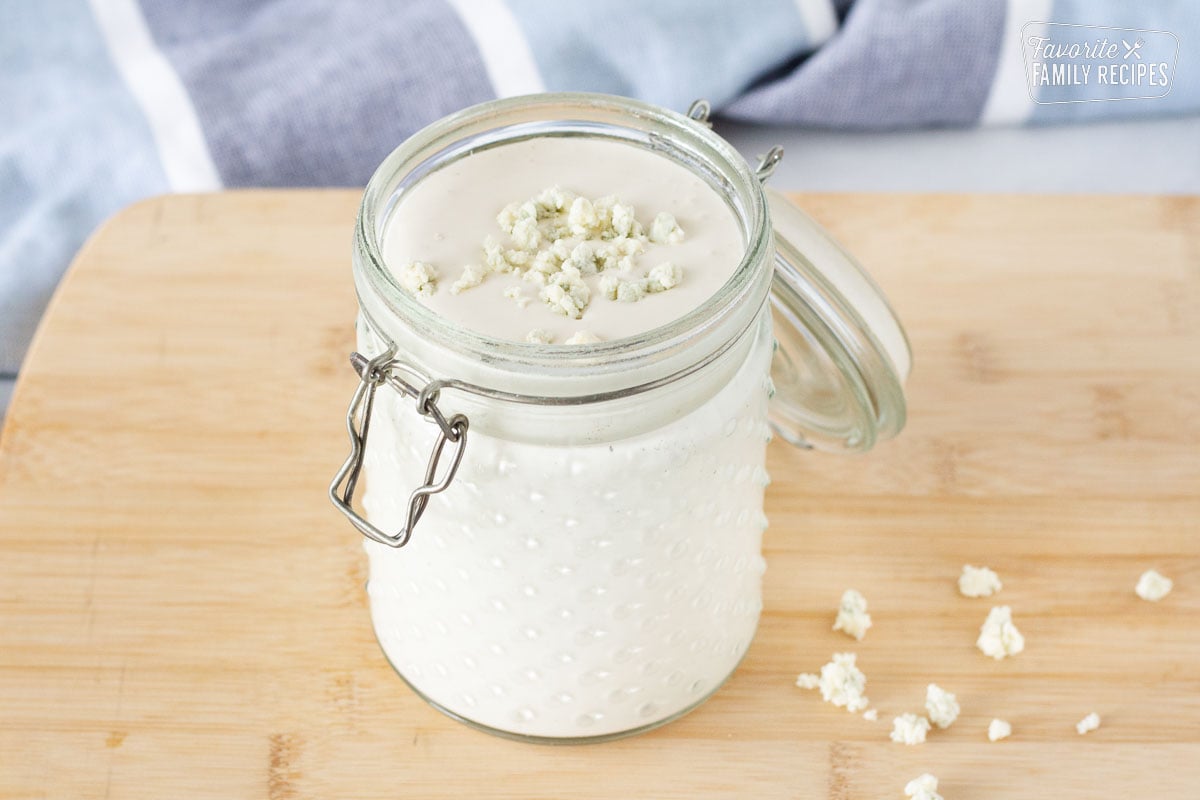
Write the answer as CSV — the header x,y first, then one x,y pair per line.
x,y
419,278
999,637
923,787
559,240
852,617
978,582
942,706
583,337
909,729
843,683
665,230
1153,586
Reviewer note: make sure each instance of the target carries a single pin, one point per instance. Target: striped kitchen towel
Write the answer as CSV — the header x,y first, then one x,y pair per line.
x,y
108,101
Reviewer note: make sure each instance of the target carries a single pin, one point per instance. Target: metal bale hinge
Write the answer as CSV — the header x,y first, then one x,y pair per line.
x,y
700,110
373,373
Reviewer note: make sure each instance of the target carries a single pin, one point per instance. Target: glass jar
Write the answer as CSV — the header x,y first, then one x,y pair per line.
x,y
587,562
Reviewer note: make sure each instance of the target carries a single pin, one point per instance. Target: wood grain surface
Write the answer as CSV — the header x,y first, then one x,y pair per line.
x,y
182,613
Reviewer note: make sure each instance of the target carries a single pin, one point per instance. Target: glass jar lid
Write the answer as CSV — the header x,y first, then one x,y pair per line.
x,y
841,355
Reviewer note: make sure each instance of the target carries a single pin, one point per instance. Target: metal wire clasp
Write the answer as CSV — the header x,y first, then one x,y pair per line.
x,y
373,373
768,163
700,110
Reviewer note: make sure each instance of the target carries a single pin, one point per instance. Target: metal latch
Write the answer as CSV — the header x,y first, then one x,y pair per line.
x,y
373,373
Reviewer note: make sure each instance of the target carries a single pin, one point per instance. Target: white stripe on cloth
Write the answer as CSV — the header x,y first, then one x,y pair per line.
x,y
159,94
820,21
502,45
1009,101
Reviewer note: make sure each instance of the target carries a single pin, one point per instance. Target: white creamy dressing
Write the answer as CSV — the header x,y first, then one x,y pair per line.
x,y
443,219
575,591
591,585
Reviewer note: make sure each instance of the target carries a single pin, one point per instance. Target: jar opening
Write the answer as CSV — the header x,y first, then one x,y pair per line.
x,y
720,318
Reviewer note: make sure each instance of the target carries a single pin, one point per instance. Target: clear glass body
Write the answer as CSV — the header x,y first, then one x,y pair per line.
x,y
595,568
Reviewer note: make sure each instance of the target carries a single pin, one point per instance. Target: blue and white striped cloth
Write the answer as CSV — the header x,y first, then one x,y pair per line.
x,y
103,102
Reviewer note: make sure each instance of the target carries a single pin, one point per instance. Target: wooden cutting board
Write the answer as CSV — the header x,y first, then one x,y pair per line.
x,y
182,612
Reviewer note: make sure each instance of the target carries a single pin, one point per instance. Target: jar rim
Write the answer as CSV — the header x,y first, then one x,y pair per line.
x,y
510,119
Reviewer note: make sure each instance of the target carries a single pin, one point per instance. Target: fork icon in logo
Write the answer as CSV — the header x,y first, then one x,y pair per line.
x,y
1132,49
